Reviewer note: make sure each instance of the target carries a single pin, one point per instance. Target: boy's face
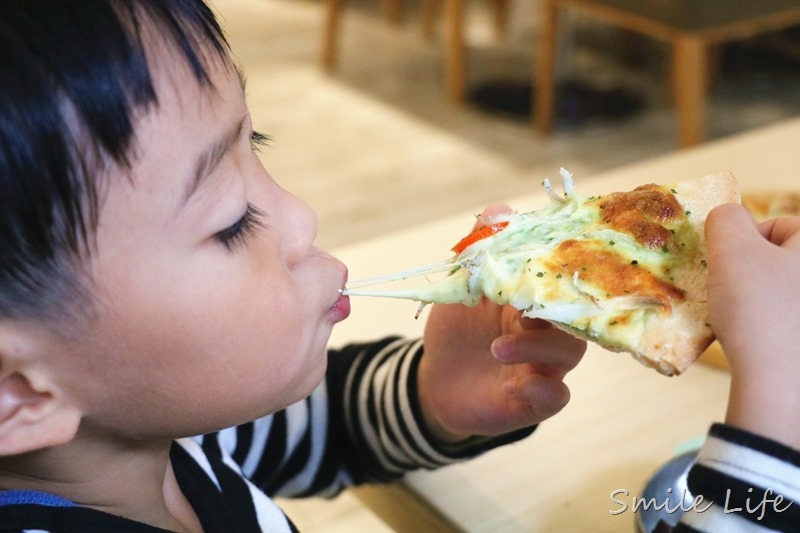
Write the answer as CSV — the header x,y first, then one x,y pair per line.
x,y
207,314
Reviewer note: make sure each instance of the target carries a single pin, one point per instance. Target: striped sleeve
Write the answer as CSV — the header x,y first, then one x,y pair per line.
x,y
381,414
752,484
362,424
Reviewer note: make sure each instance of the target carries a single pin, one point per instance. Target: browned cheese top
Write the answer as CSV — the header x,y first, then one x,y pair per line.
x,y
656,220
611,272
643,213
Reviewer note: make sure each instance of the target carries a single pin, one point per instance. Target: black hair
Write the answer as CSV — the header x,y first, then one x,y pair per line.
x,y
74,76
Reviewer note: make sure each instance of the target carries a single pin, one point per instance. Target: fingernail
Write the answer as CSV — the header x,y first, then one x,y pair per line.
x,y
500,349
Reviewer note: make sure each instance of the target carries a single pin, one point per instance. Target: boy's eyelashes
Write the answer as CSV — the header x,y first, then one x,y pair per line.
x,y
258,139
236,235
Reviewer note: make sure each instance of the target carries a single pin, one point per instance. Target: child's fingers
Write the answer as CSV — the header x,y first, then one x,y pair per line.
x,y
537,397
729,223
534,323
732,223
490,211
550,347
730,232
496,209
781,230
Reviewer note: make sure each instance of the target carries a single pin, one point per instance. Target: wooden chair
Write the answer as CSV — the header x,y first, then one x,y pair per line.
x,y
692,28
394,9
395,13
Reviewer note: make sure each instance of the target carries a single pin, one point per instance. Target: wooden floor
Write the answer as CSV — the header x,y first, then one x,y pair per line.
x,y
375,146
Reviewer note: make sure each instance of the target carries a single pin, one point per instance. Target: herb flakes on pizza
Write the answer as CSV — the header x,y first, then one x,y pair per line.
x,y
625,270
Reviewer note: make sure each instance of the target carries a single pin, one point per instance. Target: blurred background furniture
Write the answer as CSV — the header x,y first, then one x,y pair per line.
x,y
454,15
692,28
394,11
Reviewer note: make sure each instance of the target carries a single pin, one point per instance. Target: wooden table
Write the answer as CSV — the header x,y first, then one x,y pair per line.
x,y
623,421
690,27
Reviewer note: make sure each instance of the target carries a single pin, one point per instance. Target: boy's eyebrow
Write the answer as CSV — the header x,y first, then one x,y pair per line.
x,y
210,158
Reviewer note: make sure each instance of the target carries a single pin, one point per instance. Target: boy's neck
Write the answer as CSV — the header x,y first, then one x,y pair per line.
x,y
134,480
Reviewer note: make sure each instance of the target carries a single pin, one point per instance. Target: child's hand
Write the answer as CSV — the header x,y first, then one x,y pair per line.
x,y
487,371
754,307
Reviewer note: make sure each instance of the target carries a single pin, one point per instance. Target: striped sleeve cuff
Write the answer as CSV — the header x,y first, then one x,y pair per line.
x,y
753,482
386,416
460,450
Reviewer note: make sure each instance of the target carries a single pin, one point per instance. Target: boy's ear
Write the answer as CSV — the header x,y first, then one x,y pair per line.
x,y
34,412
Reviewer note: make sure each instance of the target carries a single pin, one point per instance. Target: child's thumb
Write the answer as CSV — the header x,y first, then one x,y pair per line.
x,y
729,227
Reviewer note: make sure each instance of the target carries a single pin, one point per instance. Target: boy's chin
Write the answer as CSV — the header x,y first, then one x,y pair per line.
x,y
309,379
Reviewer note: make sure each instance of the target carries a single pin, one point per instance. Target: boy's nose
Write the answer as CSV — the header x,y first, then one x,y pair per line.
x,y
300,228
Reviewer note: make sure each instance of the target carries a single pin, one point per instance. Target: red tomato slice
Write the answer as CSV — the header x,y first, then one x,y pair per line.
x,y
478,234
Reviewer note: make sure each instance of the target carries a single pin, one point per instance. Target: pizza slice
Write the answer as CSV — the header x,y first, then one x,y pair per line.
x,y
772,204
625,270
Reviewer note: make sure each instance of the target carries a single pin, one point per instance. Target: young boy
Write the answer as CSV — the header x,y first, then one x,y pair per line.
x,y
157,284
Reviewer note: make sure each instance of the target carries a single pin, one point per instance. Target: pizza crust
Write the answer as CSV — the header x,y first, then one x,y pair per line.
x,y
670,345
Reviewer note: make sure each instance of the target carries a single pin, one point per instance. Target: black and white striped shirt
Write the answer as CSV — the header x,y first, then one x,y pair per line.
x,y
363,424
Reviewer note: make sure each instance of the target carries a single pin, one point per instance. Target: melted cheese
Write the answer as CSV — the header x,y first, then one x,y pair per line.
x,y
598,265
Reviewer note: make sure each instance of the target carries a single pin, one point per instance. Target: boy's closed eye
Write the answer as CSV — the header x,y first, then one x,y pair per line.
x,y
249,224
253,218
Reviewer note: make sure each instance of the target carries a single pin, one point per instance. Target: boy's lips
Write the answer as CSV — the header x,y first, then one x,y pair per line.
x,y
341,307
